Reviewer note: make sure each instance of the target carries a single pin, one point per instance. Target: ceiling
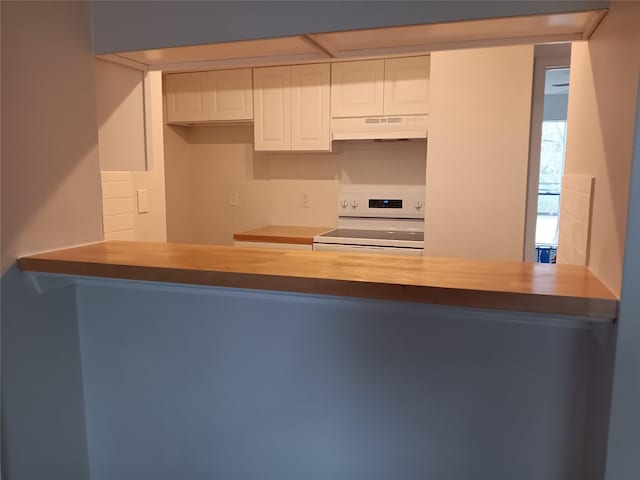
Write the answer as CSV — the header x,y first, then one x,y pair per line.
x,y
368,43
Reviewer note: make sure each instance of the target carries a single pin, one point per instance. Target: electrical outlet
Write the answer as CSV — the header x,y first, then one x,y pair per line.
x,y
305,200
234,198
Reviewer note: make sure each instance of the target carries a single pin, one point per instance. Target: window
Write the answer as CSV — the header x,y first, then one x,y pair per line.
x,y
551,169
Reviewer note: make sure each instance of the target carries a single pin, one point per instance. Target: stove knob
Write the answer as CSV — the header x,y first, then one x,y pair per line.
x,y
354,203
344,203
418,205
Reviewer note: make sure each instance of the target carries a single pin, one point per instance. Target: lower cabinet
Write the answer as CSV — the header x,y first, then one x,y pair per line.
x,y
287,246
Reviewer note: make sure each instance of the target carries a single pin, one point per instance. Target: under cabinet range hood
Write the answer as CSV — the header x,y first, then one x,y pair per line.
x,y
379,128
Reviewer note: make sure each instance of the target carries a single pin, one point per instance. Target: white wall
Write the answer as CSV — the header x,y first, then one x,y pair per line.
x,y
121,219
50,199
219,161
624,432
204,164
478,152
121,117
601,112
216,383
51,193
180,225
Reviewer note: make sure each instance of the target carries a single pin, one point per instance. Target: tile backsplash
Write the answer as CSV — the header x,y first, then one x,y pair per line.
x,y
118,206
575,219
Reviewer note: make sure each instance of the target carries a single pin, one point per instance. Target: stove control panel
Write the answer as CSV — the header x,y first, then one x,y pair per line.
x,y
381,201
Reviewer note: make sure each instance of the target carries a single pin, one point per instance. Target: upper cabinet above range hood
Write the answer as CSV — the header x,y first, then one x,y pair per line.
x,y
380,99
379,128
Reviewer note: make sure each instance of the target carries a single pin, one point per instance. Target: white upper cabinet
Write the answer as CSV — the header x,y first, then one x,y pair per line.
x,y
272,108
310,107
224,95
230,94
357,88
185,97
396,86
291,108
406,85
293,104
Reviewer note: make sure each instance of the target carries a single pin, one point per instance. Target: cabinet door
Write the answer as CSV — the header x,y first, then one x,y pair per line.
x,y
287,246
230,95
357,88
406,85
310,104
186,97
272,108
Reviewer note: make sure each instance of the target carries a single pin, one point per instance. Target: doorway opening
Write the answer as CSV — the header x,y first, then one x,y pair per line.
x,y
552,150
547,152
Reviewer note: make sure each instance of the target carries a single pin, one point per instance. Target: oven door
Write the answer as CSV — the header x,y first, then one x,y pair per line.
x,y
332,247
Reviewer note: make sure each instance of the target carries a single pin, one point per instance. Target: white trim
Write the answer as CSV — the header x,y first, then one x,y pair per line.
x,y
148,115
324,53
427,48
352,55
594,24
228,64
259,62
127,62
319,46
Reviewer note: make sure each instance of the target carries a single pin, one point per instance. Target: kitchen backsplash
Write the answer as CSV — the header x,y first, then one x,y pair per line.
x,y
214,163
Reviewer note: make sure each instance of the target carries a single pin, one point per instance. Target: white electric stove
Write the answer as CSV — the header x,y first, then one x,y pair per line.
x,y
377,219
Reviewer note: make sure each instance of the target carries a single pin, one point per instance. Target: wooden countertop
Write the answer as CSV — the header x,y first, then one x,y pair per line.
x,y
528,287
281,234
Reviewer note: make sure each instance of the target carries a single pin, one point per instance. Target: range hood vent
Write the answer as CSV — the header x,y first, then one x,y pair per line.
x,y
379,128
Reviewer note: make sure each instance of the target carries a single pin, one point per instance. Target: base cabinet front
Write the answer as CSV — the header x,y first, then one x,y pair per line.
x,y
286,246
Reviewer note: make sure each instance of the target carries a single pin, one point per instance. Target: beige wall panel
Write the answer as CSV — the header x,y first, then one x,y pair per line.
x,y
600,125
120,110
478,151
50,168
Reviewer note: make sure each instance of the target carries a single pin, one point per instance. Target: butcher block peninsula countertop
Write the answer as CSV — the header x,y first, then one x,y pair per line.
x,y
527,287
281,234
